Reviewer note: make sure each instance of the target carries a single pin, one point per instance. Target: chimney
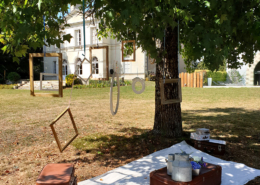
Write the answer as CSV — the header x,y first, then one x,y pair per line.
x,y
72,7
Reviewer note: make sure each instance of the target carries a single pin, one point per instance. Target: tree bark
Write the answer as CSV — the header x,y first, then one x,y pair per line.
x,y
167,119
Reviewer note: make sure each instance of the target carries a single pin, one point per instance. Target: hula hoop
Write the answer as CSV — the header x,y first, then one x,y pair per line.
x,y
137,79
111,94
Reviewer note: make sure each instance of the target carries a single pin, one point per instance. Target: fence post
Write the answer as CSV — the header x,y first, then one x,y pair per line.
x,y
185,80
201,79
194,79
188,79
198,80
181,79
191,85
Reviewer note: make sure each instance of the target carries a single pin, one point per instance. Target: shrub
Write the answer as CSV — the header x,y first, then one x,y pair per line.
x,y
235,76
13,77
151,75
128,82
219,76
69,80
101,83
2,81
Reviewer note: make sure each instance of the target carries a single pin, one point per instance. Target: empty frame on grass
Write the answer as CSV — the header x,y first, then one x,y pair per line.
x,y
55,134
47,74
169,81
31,56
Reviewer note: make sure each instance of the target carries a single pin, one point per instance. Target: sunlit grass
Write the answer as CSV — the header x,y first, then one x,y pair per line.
x,y
231,114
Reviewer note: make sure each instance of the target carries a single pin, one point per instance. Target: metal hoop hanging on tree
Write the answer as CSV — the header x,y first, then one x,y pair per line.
x,y
134,81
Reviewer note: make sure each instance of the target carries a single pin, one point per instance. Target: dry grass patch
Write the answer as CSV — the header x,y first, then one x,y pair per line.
x,y
106,142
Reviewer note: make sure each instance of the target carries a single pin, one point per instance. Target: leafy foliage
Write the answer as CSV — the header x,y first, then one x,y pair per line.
x,y
7,65
202,66
128,49
22,25
222,30
2,81
216,76
234,76
13,77
208,29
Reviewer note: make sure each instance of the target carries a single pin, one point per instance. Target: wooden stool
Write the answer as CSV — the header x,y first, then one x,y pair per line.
x,y
57,174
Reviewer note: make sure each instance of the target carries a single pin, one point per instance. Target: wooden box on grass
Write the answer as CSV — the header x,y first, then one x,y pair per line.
x,y
209,175
57,174
212,147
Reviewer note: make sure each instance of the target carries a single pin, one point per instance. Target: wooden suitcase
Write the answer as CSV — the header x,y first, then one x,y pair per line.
x,y
208,147
57,174
210,175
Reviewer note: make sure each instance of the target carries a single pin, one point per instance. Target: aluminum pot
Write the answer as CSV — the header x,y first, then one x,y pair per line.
x,y
181,168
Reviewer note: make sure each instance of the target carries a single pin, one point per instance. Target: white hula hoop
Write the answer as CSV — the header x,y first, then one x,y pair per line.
x,y
111,94
137,79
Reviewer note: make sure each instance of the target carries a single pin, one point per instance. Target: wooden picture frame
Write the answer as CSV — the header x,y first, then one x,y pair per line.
x,y
47,74
107,59
130,60
31,56
55,134
171,101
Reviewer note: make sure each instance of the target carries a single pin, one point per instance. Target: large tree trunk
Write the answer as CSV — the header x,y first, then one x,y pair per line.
x,y
167,119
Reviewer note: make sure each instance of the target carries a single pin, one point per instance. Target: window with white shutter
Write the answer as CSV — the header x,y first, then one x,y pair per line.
x,y
94,35
127,67
77,38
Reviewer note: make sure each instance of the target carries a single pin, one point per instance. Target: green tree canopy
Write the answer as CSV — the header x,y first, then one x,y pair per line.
x,y
210,29
21,23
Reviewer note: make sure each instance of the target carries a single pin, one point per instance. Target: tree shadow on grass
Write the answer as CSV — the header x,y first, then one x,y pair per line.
x,y
227,123
134,144
239,127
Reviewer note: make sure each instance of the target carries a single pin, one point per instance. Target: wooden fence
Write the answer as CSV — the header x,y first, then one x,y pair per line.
x,y
192,79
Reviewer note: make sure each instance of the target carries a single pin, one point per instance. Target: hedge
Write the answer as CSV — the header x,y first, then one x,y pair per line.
x,y
7,86
101,83
220,76
13,77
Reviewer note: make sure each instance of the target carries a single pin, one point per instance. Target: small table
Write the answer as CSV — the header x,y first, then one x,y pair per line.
x,y
209,175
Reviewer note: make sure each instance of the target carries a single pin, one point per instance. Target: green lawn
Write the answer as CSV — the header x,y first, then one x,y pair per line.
x,y
105,141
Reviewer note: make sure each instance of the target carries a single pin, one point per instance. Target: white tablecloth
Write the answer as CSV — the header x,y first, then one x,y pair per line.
x,y
137,172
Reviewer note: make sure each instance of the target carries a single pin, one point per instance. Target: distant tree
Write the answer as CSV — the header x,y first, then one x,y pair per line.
x,y
22,24
21,67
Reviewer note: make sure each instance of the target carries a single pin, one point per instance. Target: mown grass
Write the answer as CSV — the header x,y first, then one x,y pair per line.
x,y
106,142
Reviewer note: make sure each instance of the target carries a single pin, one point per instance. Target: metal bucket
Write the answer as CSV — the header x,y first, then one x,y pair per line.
x,y
181,168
